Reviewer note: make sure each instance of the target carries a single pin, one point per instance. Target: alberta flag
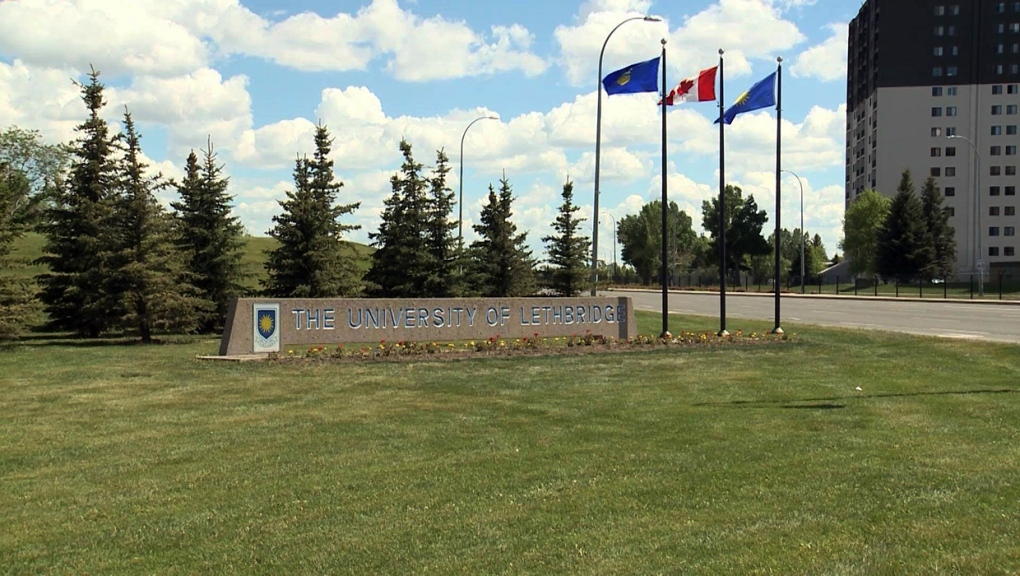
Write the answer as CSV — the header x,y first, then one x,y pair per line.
x,y
640,77
700,88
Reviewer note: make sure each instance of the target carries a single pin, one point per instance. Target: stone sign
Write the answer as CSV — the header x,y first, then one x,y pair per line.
x,y
264,325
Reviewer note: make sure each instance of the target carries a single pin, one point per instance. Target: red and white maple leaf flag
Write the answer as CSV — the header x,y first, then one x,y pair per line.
x,y
700,88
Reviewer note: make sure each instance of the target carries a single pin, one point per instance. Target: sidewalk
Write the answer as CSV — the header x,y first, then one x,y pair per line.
x,y
986,301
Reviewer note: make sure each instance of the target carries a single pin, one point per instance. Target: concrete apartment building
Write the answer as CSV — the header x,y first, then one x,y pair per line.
x,y
920,71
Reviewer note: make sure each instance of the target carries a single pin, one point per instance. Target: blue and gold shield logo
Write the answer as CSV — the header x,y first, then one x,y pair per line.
x,y
266,324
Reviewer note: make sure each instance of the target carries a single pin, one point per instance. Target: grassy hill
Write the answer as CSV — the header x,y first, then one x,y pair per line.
x,y
30,246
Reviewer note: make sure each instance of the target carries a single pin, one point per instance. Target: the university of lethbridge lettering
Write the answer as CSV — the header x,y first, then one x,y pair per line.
x,y
260,326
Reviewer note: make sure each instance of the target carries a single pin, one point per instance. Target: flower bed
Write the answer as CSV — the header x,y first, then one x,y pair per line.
x,y
531,345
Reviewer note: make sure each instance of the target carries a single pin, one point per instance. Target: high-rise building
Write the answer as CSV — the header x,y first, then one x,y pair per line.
x,y
933,86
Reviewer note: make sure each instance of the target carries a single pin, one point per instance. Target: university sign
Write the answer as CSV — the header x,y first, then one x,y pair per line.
x,y
262,325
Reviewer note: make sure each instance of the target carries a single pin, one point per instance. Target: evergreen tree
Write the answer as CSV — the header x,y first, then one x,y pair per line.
x,y
568,251
79,229
150,277
312,259
16,298
404,257
502,264
904,243
943,236
210,236
442,280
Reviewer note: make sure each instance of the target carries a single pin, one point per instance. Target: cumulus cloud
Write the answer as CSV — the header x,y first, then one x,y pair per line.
x,y
825,61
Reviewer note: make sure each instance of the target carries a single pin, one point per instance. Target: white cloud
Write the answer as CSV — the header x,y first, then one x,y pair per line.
x,y
825,61
115,36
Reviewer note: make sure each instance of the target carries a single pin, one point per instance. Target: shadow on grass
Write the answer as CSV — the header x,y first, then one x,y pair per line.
x,y
71,341
830,403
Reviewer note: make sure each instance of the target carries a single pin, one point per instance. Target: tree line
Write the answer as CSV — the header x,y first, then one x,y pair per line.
x,y
118,261
903,238
748,250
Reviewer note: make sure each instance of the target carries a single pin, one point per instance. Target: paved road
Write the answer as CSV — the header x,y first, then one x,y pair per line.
x,y
986,321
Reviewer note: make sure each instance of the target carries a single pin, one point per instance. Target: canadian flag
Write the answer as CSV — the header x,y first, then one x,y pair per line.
x,y
700,88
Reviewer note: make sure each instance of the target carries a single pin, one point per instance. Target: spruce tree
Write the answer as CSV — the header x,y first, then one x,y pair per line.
x,y
442,280
79,227
502,264
16,299
211,238
151,278
568,250
312,259
403,260
942,234
904,246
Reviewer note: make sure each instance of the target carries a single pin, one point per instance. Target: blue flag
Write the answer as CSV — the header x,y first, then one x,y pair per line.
x,y
761,95
640,77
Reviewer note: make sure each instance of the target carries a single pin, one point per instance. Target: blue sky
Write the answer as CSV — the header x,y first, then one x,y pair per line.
x,y
256,75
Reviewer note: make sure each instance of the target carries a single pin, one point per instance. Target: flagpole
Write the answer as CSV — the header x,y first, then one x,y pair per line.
x,y
779,166
664,268
722,204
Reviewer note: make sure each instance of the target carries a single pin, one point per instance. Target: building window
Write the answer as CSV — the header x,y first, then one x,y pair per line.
x,y
1011,109
1016,47
993,230
1014,27
936,71
997,89
1000,7
935,172
950,171
1008,250
993,210
941,31
937,51
994,191
955,10
1011,150
1011,130
1001,29
1016,6
1014,68
1009,211
1011,89
936,132
995,151
1010,170
999,69
996,130
951,211
1010,190
951,150
950,110
955,50
995,171
950,191
936,90
951,91
940,10
950,131
952,30
996,110
1000,48
936,152
1009,231
993,250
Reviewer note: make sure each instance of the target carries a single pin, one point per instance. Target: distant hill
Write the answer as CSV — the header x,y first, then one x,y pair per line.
x,y
30,246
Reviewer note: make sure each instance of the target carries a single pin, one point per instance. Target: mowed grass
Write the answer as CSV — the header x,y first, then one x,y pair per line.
x,y
741,460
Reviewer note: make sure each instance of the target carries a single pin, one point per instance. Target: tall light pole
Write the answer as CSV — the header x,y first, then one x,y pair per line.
x,y
801,228
460,201
598,150
977,213
613,277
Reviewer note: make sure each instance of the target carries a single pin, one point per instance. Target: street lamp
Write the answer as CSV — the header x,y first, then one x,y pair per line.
x,y
598,149
460,201
613,277
801,227
977,213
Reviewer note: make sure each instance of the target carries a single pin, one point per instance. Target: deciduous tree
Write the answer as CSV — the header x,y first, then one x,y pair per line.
x,y
862,222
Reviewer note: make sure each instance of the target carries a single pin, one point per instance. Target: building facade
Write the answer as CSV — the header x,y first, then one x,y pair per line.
x,y
933,86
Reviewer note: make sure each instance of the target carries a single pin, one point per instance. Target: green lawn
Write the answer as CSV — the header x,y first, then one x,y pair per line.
x,y
743,460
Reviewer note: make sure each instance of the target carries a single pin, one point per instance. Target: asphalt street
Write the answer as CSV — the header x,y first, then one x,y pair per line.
x,y
950,319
